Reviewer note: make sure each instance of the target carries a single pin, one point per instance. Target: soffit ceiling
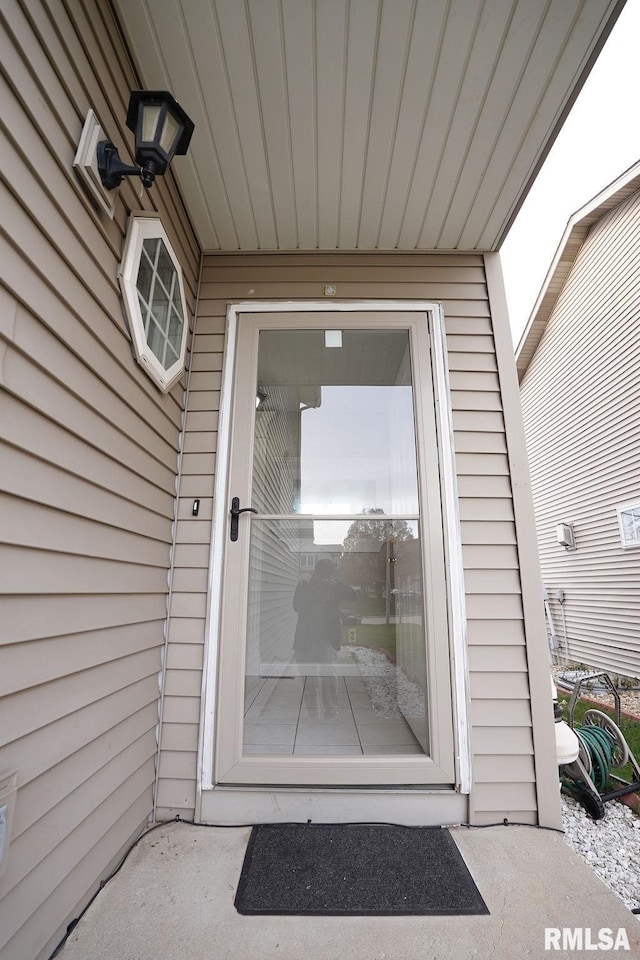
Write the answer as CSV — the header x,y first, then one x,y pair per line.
x,y
364,124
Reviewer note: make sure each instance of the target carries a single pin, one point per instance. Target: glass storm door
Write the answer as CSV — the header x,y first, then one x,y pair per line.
x,y
334,662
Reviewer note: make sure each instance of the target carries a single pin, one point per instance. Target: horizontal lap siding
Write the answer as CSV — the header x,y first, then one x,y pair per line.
x,y
502,739
89,453
581,403
501,736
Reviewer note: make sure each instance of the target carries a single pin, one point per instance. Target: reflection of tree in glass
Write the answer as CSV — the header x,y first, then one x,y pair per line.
x,y
368,546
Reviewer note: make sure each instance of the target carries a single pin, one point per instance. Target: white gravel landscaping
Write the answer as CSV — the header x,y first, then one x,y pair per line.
x,y
392,695
610,846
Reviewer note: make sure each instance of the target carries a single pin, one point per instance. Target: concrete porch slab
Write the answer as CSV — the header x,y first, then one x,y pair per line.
x,y
173,900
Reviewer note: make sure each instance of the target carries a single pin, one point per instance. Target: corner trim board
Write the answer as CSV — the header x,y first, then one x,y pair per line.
x,y
546,785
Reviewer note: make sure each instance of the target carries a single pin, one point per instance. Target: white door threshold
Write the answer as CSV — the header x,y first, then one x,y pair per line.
x,y
411,807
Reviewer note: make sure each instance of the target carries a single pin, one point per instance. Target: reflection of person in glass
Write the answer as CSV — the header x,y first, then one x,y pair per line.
x,y
318,631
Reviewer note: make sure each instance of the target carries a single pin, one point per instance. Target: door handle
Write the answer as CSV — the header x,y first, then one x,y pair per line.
x,y
236,510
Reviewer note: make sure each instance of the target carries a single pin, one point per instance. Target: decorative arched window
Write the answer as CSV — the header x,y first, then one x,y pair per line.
x,y
151,281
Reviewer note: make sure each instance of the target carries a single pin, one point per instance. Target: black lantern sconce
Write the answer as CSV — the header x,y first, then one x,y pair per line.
x,y
162,129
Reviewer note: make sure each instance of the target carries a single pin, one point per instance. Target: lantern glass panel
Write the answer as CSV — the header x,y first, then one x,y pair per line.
x,y
170,133
150,117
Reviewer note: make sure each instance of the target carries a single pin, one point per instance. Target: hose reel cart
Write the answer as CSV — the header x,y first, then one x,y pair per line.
x,y
602,748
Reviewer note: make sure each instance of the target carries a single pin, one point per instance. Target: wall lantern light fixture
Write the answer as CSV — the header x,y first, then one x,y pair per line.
x,y
162,129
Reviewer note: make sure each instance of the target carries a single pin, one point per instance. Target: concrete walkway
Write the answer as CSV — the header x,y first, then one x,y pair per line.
x,y
173,900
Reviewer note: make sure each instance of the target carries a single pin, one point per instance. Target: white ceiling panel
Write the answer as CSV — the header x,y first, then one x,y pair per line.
x,y
537,106
358,84
331,25
422,61
451,68
396,25
300,52
521,31
364,124
241,90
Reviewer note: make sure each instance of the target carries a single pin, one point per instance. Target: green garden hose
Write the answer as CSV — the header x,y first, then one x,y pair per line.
x,y
600,745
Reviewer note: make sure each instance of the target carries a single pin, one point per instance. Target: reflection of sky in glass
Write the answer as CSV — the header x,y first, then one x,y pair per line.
x,y
335,531
358,451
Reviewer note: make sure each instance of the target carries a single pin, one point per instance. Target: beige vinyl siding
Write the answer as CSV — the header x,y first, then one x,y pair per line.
x,y
89,451
502,737
581,403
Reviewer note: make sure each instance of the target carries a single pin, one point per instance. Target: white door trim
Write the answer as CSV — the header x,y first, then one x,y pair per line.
x,y
451,523
453,551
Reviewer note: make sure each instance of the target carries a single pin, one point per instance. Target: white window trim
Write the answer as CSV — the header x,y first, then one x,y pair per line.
x,y
622,508
460,686
139,230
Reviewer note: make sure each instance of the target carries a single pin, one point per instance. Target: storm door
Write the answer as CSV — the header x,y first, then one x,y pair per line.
x,y
334,657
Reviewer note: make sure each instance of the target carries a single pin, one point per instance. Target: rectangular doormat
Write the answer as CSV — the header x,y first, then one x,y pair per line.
x,y
355,870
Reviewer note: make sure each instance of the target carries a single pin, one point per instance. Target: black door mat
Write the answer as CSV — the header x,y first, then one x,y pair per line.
x,y
355,870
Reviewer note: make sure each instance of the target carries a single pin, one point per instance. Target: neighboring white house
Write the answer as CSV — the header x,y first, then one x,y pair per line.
x,y
305,317
580,388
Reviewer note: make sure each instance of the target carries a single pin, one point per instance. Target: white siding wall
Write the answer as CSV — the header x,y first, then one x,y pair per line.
x,y
500,709
581,402
89,452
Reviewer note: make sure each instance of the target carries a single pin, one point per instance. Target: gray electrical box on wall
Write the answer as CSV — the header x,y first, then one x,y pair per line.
x,y
565,535
8,790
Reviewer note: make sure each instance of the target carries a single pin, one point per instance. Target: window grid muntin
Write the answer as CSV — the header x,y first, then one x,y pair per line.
x,y
160,345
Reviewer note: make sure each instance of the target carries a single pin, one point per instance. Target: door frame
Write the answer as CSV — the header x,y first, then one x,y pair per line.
x,y
456,603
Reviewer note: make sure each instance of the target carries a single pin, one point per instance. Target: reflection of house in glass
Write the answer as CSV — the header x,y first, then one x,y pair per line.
x,y
274,559
311,552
